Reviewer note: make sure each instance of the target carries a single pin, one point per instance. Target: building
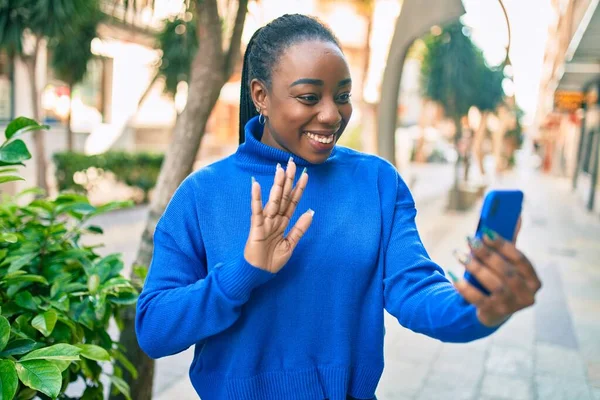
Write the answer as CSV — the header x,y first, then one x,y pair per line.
x,y
569,107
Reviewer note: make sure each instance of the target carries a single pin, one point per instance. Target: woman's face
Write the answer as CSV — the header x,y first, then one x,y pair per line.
x,y
308,106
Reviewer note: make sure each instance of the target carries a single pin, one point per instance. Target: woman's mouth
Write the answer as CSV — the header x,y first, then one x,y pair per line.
x,y
324,139
321,143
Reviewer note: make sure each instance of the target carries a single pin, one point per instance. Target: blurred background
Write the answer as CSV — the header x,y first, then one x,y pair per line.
x,y
462,96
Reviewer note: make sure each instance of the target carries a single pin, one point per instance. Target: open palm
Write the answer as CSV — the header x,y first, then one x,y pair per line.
x,y
266,247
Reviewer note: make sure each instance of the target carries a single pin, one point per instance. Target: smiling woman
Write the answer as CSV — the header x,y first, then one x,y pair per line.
x,y
286,306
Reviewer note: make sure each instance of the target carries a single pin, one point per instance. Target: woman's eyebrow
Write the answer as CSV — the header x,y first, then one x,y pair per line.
x,y
318,82
308,81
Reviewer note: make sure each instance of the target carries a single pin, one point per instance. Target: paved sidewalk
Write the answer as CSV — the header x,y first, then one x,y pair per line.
x,y
551,351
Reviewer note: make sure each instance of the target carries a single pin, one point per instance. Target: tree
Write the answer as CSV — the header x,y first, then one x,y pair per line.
x,y
71,56
489,96
210,70
24,24
178,41
450,76
415,19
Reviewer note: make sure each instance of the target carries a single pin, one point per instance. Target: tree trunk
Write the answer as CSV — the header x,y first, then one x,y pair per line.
x,y
69,130
478,139
211,69
38,136
457,138
456,199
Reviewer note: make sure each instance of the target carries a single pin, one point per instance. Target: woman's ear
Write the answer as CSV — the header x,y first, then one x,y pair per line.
x,y
260,96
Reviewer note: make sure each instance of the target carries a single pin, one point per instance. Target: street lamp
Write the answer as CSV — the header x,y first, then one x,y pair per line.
x,y
507,59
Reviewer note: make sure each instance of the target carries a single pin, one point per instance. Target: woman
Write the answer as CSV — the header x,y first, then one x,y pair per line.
x,y
287,306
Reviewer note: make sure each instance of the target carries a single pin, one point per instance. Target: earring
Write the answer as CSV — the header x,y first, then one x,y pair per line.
x,y
261,118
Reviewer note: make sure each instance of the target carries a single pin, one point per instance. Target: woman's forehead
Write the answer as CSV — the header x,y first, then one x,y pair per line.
x,y
312,60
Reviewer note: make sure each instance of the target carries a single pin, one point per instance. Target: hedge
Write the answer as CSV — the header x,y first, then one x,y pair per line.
x,y
134,169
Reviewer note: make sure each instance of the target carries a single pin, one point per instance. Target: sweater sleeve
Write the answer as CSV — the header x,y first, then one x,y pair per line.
x,y
416,290
181,303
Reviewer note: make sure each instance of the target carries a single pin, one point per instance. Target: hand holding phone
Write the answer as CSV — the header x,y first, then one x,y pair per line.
x,y
506,280
500,213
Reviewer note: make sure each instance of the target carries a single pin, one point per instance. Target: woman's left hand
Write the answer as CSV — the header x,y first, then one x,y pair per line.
x,y
505,272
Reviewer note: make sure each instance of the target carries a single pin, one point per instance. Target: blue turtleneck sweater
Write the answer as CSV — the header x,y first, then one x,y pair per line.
x,y
315,329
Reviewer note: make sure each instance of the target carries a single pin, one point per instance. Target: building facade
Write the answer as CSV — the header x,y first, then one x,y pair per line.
x,y
568,115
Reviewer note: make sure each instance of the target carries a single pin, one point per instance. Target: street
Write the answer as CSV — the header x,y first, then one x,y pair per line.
x,y
550,351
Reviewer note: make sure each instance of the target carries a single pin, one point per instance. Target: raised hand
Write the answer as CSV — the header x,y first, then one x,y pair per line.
x,y
505,272
266,247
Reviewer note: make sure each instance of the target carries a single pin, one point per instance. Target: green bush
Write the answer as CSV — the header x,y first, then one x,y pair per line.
x,y
56,295
138,170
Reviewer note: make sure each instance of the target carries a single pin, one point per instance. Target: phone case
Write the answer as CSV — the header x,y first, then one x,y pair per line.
x,y
500,213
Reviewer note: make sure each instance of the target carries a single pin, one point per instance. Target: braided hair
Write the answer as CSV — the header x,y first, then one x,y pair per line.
x,y
264,49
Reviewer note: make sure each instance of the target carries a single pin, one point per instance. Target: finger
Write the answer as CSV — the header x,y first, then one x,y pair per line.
x,y
272,206
514,284
297,194
488,278
286,197
256,219
300,228
470,293
515,258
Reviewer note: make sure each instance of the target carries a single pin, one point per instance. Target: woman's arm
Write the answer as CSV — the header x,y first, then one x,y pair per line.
x,y
181,303
416,291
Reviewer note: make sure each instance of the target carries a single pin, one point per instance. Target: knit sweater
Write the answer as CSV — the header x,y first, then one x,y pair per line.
x,y
315,329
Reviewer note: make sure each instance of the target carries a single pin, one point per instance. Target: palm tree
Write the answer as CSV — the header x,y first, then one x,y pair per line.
x,y
71,56
210,69
24,24
450,76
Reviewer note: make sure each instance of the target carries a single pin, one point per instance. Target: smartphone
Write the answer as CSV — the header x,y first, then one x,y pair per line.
x,y
500,212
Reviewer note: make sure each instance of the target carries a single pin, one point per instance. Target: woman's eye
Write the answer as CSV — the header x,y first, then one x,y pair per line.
x,y
344,98
309,98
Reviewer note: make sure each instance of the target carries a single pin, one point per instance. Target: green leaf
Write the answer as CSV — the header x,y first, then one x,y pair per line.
x,y
26,394
60,352
20,261
8,380
95,229
27,301
27,278
45,322
4,332
62,365
93,282
14,152
17,347
121,386
82,208
71,198
8,237
8,170
10,178
62,303
93,352
116,283
21,125
120,357
40,375
123,298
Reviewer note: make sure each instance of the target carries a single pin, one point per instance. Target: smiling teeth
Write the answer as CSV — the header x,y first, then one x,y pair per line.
x,y
320,139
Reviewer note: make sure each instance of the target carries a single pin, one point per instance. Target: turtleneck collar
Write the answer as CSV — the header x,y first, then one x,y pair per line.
x,y
259,157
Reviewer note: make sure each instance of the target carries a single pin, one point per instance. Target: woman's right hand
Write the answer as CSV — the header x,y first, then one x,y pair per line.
x,y
266,247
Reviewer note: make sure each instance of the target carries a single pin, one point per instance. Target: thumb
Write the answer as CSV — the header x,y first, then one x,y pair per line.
x,y
300,228
517,230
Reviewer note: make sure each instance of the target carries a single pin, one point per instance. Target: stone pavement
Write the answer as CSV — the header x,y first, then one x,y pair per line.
x,y
551,351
